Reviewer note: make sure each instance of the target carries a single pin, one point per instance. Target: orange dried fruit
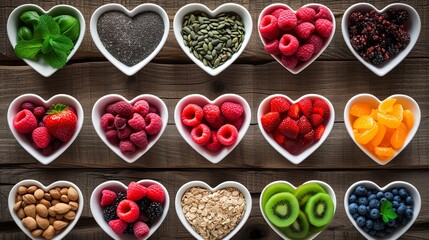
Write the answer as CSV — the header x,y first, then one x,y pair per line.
x,y
399,135
398,112
379,136
387,137
364,122
374,114
360,109
384,152
386,106
388,120
408,118
363,137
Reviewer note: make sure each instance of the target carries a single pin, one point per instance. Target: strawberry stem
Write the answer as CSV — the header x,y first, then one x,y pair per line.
x,y
57,108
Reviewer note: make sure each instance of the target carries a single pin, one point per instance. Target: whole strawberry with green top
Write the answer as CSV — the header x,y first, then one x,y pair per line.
x,y
61,122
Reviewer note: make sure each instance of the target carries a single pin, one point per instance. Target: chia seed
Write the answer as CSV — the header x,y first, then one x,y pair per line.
x,y
130,40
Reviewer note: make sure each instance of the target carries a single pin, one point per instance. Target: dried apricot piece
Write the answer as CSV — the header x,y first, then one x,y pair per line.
x,y
379,136
367,135
388,120
364,122
399,136
360,109
386,106
408,118
384,152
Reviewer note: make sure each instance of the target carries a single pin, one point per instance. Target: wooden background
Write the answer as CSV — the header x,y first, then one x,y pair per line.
x,y
171,75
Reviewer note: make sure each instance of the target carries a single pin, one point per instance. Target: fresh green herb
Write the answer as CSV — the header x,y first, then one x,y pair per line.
x,y
30,18
386,211
69,26
24,33
28,48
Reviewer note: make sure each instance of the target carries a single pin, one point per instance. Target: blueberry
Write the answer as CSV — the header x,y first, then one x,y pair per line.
x,y
360,191
404,221
362,210
375,213
383,199
395,204
352,198
368,193
391,222
388,196
409,200
372,232
380,195
401,210
397,198
379,225
390,230
360,221
362,201
353,208
372,196
356,215
380,233
409,213
394,210
369,224
365,229
403,193
395,191
374,203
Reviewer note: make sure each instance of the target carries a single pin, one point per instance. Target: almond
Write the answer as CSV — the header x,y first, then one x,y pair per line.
x,y
52,220
20,213
55,194
61,208
32,189
42,210
64,191
18,198
51,211
29,223
49,232
70,215
59,216
43,223
30,211
24,204
64,198
17,206
36,232
73,206
39,193
29,199
45,202
22,190
54,202
72,194
58,225
47,196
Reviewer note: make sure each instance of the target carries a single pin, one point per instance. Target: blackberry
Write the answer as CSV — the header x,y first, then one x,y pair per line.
x,y
129,229
154,211
144,203
110,213
119,197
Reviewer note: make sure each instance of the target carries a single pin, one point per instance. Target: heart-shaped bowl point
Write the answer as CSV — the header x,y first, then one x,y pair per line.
x,y
324,185
264,107
24,141
412,26
202,185
224,8
407,103
369,185
201,100
301,66
146,7
99,110
30,182
116,186
13,24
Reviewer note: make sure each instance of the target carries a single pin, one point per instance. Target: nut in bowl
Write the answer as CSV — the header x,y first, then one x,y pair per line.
x,y
382,129
382,213
385,45
45,212
229,204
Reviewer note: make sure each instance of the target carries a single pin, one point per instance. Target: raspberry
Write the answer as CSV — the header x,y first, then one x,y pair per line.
x,y
220,121
306,14
140,229
316,41
268,27
153,109
289,61
213,145
304,30
305,52
136,191
120,122
279,104
126,147
124,133
108,198
305,105
323,12
154,211
270,121
211,112
304,125
24,121
139,139
316,120
112,137
287,20
128,211
137,122
56,143
289,128
288,45
227,134
192,115
28,105
41,137
324,27
294,111
39,112
121,107
276,13
272,47
118,226
201,134
107,122
279,137
109,213
141,107
319,132
153,123
231,110
48,150
238,122
155,193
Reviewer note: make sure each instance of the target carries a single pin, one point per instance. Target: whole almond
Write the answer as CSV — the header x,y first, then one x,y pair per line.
x,y
61,208
24,204
55,202
64,198
64,191
29,223
55,194
52,220
42,222
72,194
29,198
45,202
39,193
73,206
30,211
70,215
17,206
47,196
42,210
59,216
22,190
20,213
32,189
49,232
58,189
51,211
58,225
36,232
18,198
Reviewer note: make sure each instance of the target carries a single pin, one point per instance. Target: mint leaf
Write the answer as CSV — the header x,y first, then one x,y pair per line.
x,y
46,46
386,206
28,48
385,218
46,27
391,214
61,43
387,212
56,59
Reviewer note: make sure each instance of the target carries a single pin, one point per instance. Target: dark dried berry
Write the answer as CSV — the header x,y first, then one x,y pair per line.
x,y
110,213
129,228
154,211
119,197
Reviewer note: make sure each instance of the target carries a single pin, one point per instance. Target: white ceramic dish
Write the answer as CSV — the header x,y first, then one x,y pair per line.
x,y
264,107
302,66
227,7
412,26
146,7
116,186
15,107
397,184
237,185
13,23
328,190
99,109
201,100
31,182
406,101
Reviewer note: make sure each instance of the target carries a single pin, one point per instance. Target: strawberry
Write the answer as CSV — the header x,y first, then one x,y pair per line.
x,y
318,103
304,125
289,128
305,106
307,139
316,119
270,121
61,122
279,104
319,132
279,137
294,111
292,146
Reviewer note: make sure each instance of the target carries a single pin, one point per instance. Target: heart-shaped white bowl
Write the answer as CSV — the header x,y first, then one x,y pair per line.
x,y
227,184
139,9
264,107
13,23
412,191
412,26
328,190
99,109
406,101
15,107
116,186
201,100
31,182
270,8
227,7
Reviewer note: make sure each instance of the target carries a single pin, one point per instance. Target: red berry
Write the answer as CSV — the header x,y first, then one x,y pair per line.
x,y
214,144
318,103
316,119
272,47
306,140
153,109
24,121
112,136
108,198
227,134
127,147
270,121
287,20
306,14
141,107
305,106
304,30
139,139
279,137
118,226
219,122
294,112
136,191
288,45
268,27
28,105
201,134
121,107
211,112
107,122
279,104
192,115
128,211
137,122
155,193
39,112
324,27
124,133
231,110
140,229
120,122
289,61
323,12
61,122
238,122
319,132
305,52
316,41
276,13
292,146
48,150
289,128
153,123
41,137
304,125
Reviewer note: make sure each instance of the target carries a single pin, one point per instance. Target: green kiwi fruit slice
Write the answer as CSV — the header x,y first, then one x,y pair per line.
x,y
304,192
282,209
275,188
314,229
298,229
319,209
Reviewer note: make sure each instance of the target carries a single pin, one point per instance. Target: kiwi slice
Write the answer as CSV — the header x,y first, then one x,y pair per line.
x,y
304,192
298,229
275,188
314,229
320,209
282,209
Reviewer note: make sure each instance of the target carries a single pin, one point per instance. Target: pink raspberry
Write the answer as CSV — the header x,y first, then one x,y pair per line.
x,y
276,13
127,147
24,121
118,226
140,229
120,122
107,122
48,150
41,137
112,136
153,109
141,107
137,122
155,193
324,27
304,30
272,47
227,134
219,122
288,45
39,112
28,105
128,211
268,27
287,20
306,14
231,110
108,198
211,112
290,61
323,12
139,139
214,144
201,134
192,115
136,191
124,133
238,122
121,107
316,41
153,123
305,52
